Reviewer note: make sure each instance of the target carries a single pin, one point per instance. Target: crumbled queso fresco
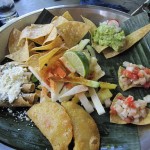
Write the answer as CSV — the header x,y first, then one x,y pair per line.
x,y
11,78
20,115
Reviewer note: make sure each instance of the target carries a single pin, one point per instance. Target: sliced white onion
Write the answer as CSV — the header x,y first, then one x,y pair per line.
x,y
107,103
64,90
85,102
124,113
126,63
75,90
96,101
130,68
142,81
147,98
55,92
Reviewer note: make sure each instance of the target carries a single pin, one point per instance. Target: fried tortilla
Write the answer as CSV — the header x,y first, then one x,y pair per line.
x,y
130,40
53,121
35,32
90,24
72,32
13,41
20,102
68,16
114,118
124,88
136,82
22,54
55,43
86,134
99,48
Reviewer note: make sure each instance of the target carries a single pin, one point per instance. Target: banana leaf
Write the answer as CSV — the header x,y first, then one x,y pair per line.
x,y
120,135
138,54
45,17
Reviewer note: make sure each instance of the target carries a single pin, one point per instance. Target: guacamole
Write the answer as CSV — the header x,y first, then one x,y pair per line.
x,y
109,35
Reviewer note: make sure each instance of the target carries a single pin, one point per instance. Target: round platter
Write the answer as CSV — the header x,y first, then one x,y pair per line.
x,y
23,134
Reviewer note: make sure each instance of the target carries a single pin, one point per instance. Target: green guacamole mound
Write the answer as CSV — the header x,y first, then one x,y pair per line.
x,y
109,35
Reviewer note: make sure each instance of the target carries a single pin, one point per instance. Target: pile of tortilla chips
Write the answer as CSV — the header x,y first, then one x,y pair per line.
x,y
36,44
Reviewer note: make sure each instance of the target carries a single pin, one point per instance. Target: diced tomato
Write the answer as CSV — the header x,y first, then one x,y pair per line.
x,y
60,72
50,75
147,85
147,70
134,76
130,102
128,120
127,73
69,85
130,75
113,111
140,75
130,98
136,70
53,84
120,97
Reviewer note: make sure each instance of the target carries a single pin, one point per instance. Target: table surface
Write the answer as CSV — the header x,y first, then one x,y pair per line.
x,y
26,6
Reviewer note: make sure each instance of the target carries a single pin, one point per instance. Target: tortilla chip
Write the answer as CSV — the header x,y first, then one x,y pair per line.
x,y
130,40
77,80
44,95
13,41
51,36
35,31
39,40
31,45
55,43
45,59
90,24
33,60
116,119
72,32
54,18
146,120
53,121
60,20
55,58
67,16
124,88
98,48
21,55
86,133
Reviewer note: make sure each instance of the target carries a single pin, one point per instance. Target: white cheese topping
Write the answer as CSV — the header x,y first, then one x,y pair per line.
x,y
11,79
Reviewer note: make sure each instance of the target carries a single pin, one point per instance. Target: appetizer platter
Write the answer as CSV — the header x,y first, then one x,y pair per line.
x,y
74,81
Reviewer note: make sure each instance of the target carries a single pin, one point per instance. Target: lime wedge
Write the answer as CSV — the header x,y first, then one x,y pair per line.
x,y
79,61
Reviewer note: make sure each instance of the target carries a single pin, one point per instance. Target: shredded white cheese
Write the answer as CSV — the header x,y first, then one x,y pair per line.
x,y
11,79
